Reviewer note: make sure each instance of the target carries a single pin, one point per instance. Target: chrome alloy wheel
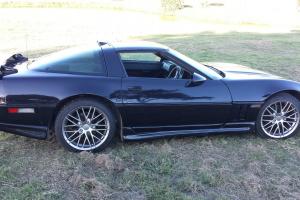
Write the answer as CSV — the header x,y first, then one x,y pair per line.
x,y
280,119
85,128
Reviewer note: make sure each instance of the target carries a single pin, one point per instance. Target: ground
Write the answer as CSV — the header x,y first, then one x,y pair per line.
x,y
214,167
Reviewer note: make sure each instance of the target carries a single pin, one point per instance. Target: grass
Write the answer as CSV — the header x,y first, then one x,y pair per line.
x,y
214,167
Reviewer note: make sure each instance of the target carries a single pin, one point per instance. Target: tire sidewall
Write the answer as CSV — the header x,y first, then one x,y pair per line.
x,y
78,103
279,97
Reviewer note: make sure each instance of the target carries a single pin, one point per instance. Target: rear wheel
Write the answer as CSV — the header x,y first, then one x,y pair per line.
x,y
85,125
279,117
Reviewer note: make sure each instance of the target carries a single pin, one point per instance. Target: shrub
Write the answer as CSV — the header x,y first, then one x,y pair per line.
x,y
171,5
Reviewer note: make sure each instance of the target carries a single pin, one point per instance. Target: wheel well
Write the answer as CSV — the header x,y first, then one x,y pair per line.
x,y
107,102
294,93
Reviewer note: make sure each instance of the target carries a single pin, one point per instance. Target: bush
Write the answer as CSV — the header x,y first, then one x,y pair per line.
x,y
172,5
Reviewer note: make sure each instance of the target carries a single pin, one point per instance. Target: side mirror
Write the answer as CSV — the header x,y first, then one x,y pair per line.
x,y
197,79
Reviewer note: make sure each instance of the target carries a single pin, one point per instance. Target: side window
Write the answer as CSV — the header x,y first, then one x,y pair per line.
x,y
139,56
151,65
84,62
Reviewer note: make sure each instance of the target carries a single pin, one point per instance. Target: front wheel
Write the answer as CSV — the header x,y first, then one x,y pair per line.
x,y
85,125
279,117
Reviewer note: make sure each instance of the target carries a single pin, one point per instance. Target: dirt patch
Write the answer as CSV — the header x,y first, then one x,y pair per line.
x,y
106,161
91,185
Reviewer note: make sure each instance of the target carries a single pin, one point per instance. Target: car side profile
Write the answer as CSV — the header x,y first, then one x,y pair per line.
x,y
141,90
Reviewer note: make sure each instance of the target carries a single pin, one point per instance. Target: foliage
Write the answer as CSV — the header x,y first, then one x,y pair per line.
x,y
172,5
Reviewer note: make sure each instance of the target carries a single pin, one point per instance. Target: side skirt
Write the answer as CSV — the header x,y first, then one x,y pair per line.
x,y
228,128
38,132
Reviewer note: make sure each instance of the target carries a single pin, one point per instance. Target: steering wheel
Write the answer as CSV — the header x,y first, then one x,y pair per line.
x,y
176,73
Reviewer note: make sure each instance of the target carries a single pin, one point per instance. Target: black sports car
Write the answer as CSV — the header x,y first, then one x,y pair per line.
x,y
140,90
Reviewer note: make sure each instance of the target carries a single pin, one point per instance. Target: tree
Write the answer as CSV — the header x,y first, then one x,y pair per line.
x,y
171,5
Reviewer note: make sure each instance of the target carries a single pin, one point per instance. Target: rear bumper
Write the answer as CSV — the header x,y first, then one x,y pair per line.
x,y
38,132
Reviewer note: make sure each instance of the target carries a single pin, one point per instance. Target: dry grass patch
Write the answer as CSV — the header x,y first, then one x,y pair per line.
x,y
215,167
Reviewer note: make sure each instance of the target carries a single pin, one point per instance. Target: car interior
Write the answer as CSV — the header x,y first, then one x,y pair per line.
x,y
152,65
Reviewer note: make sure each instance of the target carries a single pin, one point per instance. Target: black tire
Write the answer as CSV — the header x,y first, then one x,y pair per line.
x,y
262,130
79,103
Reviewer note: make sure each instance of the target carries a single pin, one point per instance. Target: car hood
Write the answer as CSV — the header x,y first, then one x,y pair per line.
x,y
236,71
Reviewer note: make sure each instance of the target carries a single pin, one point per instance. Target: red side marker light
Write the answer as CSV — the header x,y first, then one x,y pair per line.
x,y
12,110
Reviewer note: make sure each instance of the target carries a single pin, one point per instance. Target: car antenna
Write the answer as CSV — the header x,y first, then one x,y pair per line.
x,y
26,50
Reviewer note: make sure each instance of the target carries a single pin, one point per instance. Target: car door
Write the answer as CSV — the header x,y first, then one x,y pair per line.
x,y
159,102
151,102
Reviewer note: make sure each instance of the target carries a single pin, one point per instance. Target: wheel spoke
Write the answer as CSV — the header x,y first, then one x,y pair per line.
x,y
99,132
79,139
96,117
88,140
72,134
85,117
272,128
71,121
288,107
92,136
270,122
268,115
93,114
271,125
291,121
284,107
84,140
72,125
277,128
97,123
89,112
291,115
271,113
75,138
78,115
283,127
77,119
274,111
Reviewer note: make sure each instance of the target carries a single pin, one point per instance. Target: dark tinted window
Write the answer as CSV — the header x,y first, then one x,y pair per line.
x,y
72,61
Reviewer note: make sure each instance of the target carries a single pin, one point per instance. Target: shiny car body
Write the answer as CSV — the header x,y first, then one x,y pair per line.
x,y
217,98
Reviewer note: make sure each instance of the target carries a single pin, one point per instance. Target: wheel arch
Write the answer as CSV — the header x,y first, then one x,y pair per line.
x,y
101,99
294,93
259,129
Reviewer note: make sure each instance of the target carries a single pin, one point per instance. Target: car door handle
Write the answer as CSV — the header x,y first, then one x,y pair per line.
x,y
135,89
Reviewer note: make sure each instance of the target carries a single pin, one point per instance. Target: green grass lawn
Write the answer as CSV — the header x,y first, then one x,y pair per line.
x,y
215,167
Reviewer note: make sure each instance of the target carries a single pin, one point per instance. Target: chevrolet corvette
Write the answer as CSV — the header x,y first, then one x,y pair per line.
x,y
140,90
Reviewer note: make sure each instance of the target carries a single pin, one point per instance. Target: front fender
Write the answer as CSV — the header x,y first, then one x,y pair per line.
x,y
259,90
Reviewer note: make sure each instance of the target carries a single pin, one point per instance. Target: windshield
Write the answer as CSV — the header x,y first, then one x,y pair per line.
x,y
212,73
